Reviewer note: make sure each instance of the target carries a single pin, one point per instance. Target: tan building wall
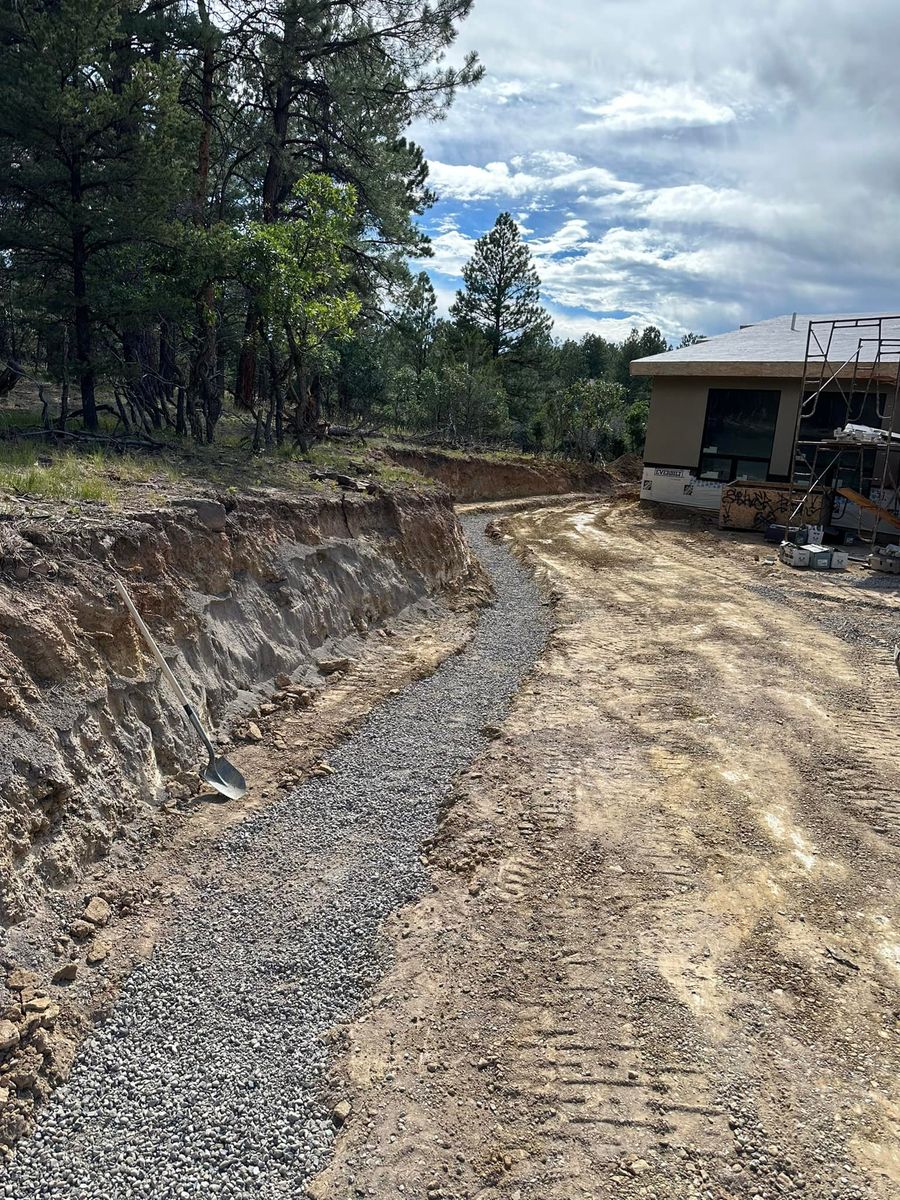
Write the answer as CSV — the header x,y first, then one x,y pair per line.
x,y
678,413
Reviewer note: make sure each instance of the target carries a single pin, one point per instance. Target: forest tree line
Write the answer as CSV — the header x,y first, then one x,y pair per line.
x,y
208,204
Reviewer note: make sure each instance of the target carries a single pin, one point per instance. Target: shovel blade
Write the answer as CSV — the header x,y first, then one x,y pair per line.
x,y
225,778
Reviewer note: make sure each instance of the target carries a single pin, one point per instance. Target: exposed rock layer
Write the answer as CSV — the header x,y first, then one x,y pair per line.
x,y
88,731
470,477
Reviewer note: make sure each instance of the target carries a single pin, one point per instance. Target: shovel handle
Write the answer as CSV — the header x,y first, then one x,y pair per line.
x,y
191,714
154,649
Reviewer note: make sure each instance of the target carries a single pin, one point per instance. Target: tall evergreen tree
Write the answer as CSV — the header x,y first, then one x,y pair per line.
x,y
417,322
335,86
503,290
89,124
639,344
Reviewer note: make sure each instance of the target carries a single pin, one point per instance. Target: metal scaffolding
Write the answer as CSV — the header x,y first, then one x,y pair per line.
x,y
852,357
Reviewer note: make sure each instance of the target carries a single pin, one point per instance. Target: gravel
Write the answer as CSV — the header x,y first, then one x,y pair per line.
x,y
860,619
208,1078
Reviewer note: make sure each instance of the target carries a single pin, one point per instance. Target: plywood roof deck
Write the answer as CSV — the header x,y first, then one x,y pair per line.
x,y
770,349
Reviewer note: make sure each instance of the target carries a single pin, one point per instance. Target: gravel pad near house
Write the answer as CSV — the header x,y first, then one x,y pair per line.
x,y
207,1079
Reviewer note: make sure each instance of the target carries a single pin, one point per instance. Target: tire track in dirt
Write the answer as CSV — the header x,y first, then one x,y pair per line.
x,y
658,958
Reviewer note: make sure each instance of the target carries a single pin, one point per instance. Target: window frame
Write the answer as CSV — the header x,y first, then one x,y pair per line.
x,y
738,458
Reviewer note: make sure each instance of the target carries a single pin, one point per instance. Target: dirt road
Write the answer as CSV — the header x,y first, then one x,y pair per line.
x,y
662,953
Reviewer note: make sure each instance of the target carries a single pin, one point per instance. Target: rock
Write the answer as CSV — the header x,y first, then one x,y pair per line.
x,y
639,1166
97,953
283,681
210,512
66,973
31,1023
97,911
38,1004
331,666
80,930
19,979
21,572
40,567
25,1070
50,1017
9,1037
340,1113
254,733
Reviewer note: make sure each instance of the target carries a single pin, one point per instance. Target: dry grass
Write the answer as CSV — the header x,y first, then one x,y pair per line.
x,y
65,474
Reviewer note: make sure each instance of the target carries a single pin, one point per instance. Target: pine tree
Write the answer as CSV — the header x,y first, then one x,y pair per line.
x,y
336,87
503,290
639,344
89,122
417,323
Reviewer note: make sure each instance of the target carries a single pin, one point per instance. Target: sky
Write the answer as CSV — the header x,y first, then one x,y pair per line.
x,y
692,164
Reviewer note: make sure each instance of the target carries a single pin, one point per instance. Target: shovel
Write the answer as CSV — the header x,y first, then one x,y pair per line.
x,y
219,773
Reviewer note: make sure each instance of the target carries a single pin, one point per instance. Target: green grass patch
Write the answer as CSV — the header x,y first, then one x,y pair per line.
x,y
56,473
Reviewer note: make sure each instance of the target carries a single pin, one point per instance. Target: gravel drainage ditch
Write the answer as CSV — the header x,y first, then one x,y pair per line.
x,y
207,1078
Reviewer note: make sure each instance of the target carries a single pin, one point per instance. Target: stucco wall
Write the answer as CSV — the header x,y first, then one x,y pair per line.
x,y
678,412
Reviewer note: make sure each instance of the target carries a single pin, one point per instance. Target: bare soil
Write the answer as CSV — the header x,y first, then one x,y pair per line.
x,y
283,616
151,876
662,953
506,476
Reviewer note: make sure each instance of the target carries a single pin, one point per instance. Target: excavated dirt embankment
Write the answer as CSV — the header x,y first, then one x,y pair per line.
x,y
471,478
245,596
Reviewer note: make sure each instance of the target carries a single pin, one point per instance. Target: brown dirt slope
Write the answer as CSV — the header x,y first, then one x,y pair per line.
x,y
264,603
471,477
662,956
263,587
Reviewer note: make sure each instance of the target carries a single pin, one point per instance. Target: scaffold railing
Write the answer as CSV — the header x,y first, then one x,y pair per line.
x,y
853,357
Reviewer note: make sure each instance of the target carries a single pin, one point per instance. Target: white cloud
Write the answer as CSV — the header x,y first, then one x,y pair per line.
x,y
698,204
727,174
667,106
614,329
572,235
451,251
466,182
540,174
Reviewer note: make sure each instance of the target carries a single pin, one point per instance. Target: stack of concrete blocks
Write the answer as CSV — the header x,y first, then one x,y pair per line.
x,y
814,556
886,559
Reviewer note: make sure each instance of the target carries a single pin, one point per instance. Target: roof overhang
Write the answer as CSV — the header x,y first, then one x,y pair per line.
x,y
739,370
752,370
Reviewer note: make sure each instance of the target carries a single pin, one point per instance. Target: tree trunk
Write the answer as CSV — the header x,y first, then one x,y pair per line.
x,y
273,184
204,371
143,380
245,381
180,421
83,331
81,305
278,396
63,405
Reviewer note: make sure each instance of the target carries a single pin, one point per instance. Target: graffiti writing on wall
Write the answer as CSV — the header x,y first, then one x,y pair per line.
x,y
749,506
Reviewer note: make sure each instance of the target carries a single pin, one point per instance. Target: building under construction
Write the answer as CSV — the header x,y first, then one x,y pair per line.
x,y
790,420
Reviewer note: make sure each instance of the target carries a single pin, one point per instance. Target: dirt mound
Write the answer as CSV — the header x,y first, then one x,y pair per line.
x,y
472,478
627,468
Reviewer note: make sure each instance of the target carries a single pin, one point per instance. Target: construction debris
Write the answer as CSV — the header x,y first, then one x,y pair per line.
x,y
886,559
815,556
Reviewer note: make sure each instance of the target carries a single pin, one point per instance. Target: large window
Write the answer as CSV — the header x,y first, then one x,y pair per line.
x,y
738,434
